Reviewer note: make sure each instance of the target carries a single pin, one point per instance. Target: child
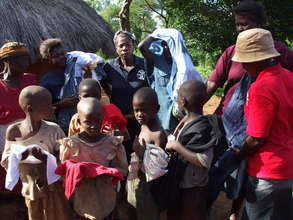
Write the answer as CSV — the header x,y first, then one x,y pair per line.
x,y
193,149
44,202
95,197
146,107
113,118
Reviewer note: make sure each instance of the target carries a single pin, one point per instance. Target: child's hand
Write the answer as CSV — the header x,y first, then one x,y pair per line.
x,y
172,145
87,72
37,153
139,148
107,130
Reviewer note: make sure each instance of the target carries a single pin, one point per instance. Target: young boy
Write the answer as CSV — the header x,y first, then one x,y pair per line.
x,y
113,117
94,198
146,107
193,149
44,202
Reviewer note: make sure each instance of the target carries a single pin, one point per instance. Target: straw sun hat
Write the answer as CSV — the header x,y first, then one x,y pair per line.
x,y
254,45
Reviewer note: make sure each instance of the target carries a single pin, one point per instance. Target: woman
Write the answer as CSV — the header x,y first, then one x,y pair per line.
x,y
168,66
124,75
248,14
16,61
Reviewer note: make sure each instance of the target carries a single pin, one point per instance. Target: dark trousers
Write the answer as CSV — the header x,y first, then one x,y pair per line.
x,y
269,199
191,205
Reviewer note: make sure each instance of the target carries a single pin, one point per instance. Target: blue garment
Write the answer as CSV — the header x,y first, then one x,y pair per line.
x,y
229,168
182,66
158,79
61,86
53,82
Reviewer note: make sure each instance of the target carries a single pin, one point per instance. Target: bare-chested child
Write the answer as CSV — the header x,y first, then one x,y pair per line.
x,y
44,201
146,107
94,198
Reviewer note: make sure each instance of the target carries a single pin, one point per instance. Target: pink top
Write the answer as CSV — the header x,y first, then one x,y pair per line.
x,y
9,107
229,72
268,111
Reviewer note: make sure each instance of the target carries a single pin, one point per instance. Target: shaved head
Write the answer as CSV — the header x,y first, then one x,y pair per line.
x,y
90,116
194,93
33,95
90,88
88,106
146,95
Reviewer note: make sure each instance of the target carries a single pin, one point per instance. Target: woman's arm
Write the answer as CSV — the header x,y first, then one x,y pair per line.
x,y
211,89
143,46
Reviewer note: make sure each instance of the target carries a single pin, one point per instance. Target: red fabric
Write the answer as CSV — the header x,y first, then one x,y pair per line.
x,y
9,107
113,118
269,114
229,72
75,172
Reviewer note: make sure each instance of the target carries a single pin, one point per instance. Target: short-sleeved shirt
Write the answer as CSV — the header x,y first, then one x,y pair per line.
x,y
229,72
125,84
9,106
269,114
33,176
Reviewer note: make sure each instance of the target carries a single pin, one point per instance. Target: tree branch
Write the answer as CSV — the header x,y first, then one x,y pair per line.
x,y
155,11
124,15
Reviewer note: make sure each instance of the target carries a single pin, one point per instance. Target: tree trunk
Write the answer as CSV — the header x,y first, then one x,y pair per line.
x,y
124,16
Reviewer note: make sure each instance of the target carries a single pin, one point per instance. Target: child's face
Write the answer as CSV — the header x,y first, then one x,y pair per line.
x,y
43,109
144,113
90,122
86,92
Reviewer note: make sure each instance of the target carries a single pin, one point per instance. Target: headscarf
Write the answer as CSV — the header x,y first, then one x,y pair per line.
x,y
12,48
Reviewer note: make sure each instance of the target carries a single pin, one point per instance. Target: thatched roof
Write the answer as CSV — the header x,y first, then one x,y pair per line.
x,y
31,21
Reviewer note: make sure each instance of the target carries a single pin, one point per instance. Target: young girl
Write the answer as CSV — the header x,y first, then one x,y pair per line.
x,y
44,201
94,198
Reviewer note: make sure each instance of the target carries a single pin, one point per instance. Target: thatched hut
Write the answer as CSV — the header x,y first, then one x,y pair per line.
x,y
31,21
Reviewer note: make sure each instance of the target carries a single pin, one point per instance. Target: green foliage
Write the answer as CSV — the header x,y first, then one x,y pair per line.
x,y
209,24
143,20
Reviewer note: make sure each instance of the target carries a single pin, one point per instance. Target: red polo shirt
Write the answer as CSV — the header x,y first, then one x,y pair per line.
x,y
269,114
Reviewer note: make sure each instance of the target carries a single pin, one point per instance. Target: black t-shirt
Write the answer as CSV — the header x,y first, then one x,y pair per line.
x,y
125,84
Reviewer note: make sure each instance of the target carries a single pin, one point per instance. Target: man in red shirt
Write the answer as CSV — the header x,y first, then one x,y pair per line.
x,y
269,145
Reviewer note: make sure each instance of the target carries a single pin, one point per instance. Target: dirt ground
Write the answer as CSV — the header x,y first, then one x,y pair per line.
x,y
211,105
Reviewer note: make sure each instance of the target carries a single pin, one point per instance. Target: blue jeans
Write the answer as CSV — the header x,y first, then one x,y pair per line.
x,y
269,199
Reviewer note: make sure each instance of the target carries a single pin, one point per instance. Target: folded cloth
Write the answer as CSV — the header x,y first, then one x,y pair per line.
x,y
113,118
84,59
155,162
75,172
14,159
